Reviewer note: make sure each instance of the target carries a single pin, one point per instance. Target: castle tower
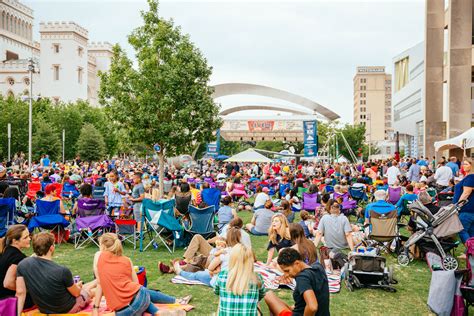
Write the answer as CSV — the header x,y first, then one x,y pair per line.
x,y
100,57
64,61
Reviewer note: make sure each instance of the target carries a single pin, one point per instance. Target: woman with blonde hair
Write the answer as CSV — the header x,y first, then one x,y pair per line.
x,y
118,282
278,235
239,288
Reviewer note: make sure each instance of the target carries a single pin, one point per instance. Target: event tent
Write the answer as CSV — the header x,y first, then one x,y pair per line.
x,y
463,141
248,155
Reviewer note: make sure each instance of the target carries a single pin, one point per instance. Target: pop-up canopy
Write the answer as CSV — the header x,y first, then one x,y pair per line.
x,y
463,141
249,155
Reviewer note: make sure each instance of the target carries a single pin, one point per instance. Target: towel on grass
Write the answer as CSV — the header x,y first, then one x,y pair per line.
x,y
269,275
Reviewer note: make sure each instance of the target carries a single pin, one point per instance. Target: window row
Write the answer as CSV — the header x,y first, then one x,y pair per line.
x,y
11,81
57,48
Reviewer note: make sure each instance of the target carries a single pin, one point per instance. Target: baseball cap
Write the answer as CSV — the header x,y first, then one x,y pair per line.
x,y
265,189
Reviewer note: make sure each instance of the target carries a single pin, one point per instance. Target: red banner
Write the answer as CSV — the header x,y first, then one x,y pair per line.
x,y
261,126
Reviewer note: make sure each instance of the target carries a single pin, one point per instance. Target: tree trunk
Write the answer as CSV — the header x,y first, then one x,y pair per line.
x,y
161,160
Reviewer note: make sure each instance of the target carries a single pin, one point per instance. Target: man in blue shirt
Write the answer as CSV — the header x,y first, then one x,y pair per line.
x,y
380,206
454,166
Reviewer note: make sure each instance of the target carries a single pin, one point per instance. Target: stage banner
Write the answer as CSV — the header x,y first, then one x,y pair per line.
x,y
212,149
310,130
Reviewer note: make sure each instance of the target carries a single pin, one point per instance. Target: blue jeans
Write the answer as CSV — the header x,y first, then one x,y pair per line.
x,y
144,302
201,276
467,221
257,233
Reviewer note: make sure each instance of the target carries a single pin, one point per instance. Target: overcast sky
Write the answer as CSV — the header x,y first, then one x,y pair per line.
x,y
310,48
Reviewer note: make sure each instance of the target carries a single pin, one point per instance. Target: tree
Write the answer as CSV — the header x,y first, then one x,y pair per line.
x,y
166,99
45,140
90,145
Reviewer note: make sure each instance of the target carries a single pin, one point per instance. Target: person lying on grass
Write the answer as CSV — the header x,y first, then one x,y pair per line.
x,y
118,282
311,294
219,263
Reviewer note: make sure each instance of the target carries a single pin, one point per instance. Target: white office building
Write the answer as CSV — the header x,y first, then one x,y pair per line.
x,y
67,64
408,98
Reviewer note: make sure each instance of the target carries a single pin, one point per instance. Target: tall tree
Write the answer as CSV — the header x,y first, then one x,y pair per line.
x,y
90,145
166,99
45,140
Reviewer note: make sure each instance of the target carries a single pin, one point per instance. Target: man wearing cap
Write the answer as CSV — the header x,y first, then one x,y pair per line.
x,y
379,206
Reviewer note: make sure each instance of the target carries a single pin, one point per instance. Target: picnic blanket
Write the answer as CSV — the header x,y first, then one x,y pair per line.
x,y
270,278
104,311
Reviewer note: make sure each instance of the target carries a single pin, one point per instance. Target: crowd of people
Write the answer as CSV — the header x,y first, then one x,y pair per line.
x,y
297,208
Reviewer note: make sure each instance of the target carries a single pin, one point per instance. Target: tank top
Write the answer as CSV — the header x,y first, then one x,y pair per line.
x,y
115,274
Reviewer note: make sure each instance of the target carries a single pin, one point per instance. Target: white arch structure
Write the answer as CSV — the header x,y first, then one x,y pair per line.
x,y
226,89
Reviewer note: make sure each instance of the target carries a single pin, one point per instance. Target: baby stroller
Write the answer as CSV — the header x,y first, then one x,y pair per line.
x,y
429,231
369,270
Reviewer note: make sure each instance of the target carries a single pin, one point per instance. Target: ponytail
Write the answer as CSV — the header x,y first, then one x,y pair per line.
x,y
110,242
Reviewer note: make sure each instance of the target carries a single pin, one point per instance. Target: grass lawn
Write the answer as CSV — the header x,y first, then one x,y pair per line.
x,y
410,298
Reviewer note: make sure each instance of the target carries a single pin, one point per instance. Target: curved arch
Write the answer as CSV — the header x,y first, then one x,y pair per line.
x,y
239,108
225,89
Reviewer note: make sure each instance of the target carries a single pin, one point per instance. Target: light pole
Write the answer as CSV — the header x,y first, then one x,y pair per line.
x,y
9,134
31,69
370,135
64,141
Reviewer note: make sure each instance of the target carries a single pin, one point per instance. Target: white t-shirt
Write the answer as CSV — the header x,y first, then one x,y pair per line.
x,y
260,200
392,174
443,175
245,237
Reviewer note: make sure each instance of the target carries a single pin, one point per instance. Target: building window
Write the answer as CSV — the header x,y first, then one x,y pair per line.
x,y
401,73
362,109
10,94
79,75
56,72
56,48
363,80
362,88
26,81
80,51
362,102
26,92
11,81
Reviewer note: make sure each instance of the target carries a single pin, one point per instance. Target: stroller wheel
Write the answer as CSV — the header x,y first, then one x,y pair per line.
x,y
403,259
356,282
349,285
450,263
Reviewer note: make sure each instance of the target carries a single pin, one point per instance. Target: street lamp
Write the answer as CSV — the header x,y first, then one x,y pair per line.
x,y
31,69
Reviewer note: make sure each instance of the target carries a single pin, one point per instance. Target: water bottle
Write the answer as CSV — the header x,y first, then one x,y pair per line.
x,y
89,232
155,245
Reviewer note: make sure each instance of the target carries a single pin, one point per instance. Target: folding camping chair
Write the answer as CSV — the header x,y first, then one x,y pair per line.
x,y
384,229
98,192
7,211
310,202
161,226
211,197
300,192
91,222
358,193
48,217
201,221
126,230
394,194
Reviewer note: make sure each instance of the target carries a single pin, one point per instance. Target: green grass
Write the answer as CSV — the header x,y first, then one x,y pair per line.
x,y
410,298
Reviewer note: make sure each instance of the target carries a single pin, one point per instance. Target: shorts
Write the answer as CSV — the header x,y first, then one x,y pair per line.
x,y
285,312
81,302
137,211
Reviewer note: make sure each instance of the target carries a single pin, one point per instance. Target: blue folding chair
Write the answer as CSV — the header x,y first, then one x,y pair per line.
x,y
98,193
161,226
48,217
201,221
358,193
7,213
282,189
212,196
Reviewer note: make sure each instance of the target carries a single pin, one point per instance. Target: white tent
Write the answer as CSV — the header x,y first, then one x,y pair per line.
x,y
249,155
463,141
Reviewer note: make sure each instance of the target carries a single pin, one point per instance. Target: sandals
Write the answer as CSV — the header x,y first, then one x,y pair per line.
x,y
184,300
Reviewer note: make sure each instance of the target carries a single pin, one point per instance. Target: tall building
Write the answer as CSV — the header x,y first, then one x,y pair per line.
x,y
372,102
448,68
408,98
66,63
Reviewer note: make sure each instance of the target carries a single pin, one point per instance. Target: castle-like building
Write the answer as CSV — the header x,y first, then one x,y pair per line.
x,y
66,63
